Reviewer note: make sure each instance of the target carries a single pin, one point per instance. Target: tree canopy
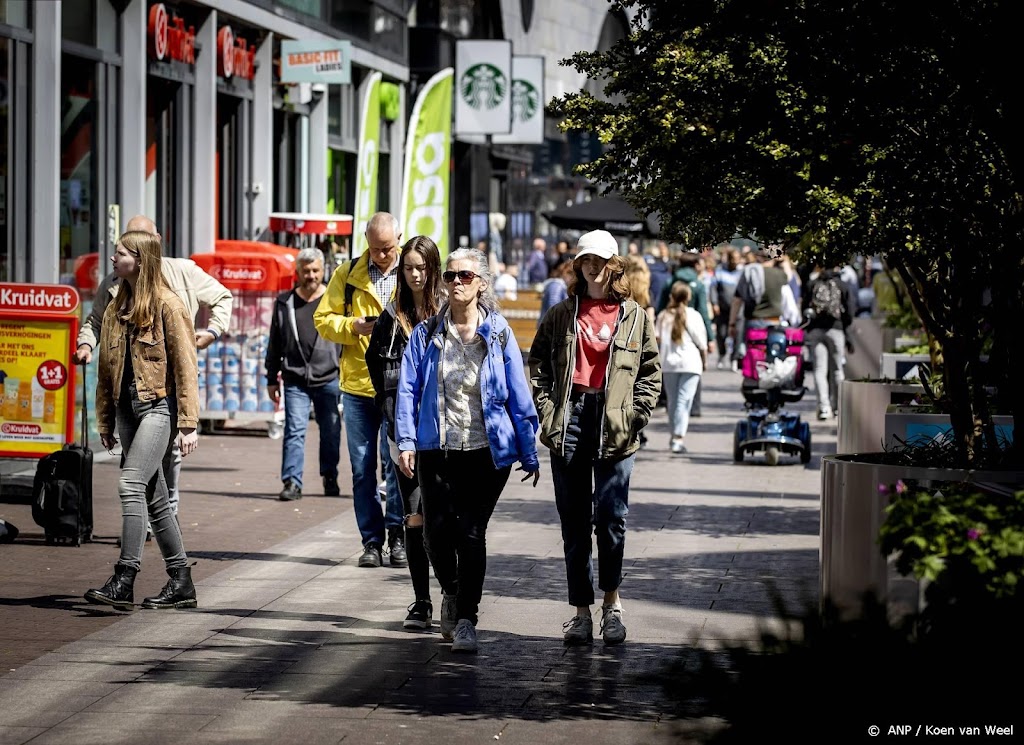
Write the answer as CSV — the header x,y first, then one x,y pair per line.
x,y
833,127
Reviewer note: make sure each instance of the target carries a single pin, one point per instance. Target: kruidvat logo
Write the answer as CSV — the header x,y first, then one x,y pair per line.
x,y
38,298
10,428
238,273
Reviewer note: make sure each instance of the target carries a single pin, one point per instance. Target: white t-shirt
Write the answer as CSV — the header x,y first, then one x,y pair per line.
x,y
685,356
506,287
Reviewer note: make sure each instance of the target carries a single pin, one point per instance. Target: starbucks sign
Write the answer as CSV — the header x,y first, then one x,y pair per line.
x,y
483,75
527,102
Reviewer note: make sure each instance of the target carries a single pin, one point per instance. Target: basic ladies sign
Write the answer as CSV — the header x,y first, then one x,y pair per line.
x,y
38,327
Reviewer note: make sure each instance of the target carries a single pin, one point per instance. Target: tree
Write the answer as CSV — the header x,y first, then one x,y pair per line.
x,y
831,129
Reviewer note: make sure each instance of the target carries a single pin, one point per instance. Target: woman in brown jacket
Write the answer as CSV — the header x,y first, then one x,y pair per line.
x,y
147,386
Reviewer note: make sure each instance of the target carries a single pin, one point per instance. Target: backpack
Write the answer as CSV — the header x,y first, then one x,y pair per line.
x,y
827,299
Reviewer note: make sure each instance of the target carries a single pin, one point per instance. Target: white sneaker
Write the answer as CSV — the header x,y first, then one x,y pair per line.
x,y
677,447
465,637
449,619
612,629
578,630
824,413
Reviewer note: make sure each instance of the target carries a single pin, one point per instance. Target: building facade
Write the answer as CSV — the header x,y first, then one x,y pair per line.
x,y
175,110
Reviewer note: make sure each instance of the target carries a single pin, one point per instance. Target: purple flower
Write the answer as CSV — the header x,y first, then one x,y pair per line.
x,y
901,488
883,489
973,534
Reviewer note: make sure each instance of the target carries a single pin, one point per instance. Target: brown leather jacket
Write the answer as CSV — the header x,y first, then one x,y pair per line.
x,y
163,359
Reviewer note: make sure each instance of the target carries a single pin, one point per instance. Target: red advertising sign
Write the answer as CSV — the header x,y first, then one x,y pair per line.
x,y
38,327
168,37
249,271
235,58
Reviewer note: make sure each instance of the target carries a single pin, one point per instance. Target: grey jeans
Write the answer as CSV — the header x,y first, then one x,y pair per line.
x,y
147,430
828,369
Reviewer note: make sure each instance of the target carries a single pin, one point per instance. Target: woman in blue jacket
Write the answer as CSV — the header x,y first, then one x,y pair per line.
x,y
465,414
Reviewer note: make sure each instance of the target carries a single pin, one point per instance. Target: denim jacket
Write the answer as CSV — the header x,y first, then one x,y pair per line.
x,y
509,414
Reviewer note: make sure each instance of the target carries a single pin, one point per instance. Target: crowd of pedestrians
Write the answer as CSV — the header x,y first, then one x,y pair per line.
x,y
412,352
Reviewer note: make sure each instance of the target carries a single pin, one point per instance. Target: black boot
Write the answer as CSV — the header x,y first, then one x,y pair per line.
x,y
119,590
179,592
396,547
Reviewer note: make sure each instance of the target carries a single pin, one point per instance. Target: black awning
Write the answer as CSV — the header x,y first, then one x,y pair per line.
x,y
604,213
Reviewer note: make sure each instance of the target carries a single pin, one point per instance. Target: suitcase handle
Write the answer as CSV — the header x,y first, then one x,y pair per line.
x,y
85,409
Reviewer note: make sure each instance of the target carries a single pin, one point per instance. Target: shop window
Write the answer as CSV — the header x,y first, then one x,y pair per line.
x,y
16,12
78,21
79,199
162,101
5,133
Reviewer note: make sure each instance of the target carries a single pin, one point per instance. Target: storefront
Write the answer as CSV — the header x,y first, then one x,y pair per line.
x,y
236,55
15,69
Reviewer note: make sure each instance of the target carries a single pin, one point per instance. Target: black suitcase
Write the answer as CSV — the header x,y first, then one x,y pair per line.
x,y
62,490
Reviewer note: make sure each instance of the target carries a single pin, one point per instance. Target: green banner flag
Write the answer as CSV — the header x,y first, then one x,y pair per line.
x,y
366,166
427,163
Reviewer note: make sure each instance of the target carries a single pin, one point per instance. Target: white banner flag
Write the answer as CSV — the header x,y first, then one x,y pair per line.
x,y
483,87
527,103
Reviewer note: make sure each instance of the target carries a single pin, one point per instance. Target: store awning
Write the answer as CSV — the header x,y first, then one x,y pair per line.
x,y
609,213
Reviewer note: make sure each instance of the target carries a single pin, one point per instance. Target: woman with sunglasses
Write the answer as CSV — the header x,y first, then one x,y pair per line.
x,y
418,297
465,415
596,379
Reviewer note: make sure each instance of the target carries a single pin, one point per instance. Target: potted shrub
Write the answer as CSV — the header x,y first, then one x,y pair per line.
x,y
873,128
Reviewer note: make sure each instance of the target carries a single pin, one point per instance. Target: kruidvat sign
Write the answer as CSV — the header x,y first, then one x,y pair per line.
x,y
25,298
316,62
168,37
235,57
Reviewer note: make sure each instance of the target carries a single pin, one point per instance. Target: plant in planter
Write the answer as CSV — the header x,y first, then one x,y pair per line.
x,y
966,542
872,127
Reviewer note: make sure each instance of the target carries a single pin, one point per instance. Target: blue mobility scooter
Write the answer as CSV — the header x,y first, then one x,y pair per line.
x,y
772,377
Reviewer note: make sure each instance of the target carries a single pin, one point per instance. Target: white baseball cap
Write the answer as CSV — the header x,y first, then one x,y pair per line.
x,y
597,242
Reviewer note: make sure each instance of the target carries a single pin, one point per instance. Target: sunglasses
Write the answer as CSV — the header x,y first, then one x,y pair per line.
x,y
465,276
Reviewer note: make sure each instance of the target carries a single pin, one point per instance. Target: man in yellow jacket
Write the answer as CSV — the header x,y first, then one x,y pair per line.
x,y
357,293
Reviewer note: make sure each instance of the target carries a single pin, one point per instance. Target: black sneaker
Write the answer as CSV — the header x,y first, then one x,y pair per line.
x,y
291,492
396,548
371,556
331,488
421,615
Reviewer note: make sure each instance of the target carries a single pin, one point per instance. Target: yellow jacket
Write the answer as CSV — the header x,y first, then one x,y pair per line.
x,y
334,321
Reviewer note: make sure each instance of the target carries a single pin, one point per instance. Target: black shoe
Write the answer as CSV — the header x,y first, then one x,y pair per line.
x,y
696,414
396,548
421,615
119,590
331,488
291,492
179,592
371,556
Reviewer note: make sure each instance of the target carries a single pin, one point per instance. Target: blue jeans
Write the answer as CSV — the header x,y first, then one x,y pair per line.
x,y
297,400
146,430
368,446
591,495
680,389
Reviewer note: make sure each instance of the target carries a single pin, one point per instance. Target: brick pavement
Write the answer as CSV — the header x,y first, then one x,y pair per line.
x,y
292,642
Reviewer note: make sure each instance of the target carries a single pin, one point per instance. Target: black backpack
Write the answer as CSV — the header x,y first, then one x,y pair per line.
x,y
62,490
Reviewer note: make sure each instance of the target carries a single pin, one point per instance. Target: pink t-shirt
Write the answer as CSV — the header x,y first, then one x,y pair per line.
x,y
595,329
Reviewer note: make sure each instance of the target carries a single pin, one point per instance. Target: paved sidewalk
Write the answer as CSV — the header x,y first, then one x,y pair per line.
x,y
293,643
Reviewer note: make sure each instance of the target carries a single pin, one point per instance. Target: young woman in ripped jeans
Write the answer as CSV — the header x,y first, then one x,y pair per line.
x,y
147,385
596,378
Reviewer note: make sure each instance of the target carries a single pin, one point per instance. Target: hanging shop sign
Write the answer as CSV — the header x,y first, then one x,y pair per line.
x,y
316,62
527,103
38,328
427,173
483,96
366,165
168,37
235,57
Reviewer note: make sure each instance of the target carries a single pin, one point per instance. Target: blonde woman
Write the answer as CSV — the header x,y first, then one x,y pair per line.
x,y
683,345
147,386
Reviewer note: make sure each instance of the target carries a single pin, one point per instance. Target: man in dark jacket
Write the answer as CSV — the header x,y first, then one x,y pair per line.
x,y
308,368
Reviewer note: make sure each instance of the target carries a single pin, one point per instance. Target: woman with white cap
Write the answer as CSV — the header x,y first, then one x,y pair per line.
x,y
596,379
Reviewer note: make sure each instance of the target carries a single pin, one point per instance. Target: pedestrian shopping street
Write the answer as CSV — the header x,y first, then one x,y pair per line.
x,y
292,642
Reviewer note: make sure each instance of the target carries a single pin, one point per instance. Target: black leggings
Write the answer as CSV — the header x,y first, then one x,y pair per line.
x,y
419,565
460,489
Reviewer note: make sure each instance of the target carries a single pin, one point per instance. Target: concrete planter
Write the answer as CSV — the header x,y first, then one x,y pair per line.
x,y
897,365
862,407
852,513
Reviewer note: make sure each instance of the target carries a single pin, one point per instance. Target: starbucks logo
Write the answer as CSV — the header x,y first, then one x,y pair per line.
x,y
483,86
525,100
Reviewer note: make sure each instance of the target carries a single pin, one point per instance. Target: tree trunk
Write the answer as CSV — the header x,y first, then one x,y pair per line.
x,y
960,379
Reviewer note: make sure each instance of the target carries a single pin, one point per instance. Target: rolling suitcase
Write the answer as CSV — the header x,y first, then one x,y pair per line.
x,y
62,490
